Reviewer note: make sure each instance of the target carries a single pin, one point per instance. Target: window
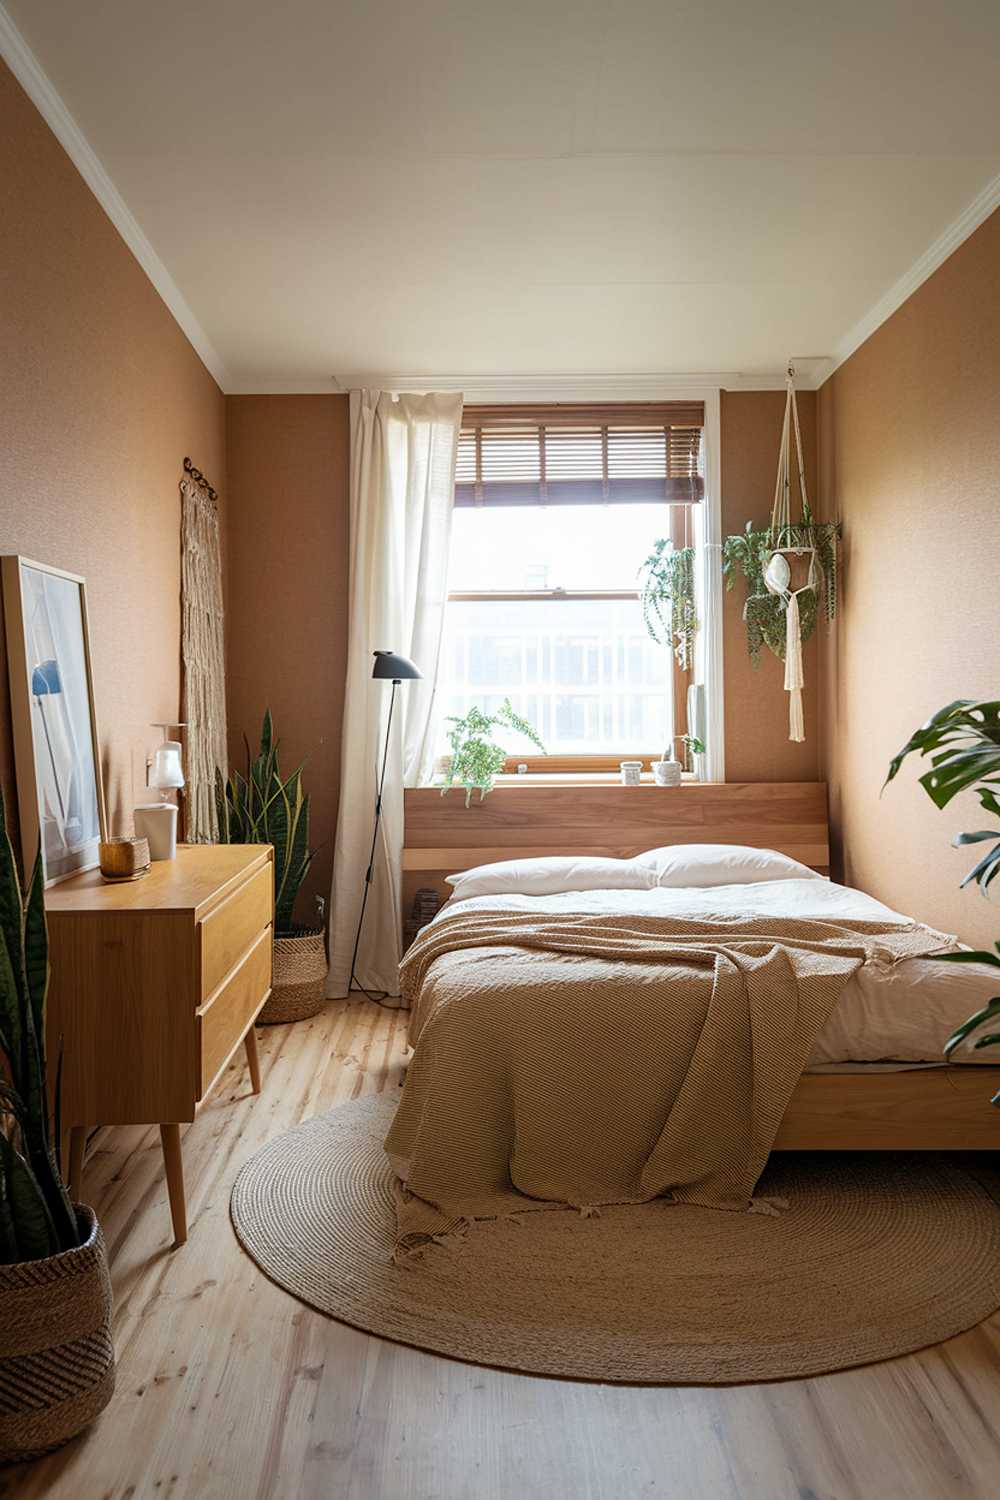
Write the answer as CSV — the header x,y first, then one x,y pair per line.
x,y
555,511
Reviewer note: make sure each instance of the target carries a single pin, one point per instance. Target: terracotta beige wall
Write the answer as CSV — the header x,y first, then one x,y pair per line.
x,y
287,637
287,471
757,743
101,397
910,449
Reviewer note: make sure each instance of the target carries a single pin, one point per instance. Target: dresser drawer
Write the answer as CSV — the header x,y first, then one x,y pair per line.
x,y
228,931
223,1021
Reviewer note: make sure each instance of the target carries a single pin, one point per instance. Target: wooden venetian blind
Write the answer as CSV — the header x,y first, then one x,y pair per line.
x,y
621,453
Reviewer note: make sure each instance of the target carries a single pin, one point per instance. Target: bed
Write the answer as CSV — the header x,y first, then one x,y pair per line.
x,y
858,1069
857,1108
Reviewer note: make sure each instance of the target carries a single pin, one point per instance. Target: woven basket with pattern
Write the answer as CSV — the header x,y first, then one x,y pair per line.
x,y
298,986
57,1355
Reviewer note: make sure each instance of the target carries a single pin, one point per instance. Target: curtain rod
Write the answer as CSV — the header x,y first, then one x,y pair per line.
x,y
199,478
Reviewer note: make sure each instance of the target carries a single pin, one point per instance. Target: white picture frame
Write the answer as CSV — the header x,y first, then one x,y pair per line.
x,y
57,760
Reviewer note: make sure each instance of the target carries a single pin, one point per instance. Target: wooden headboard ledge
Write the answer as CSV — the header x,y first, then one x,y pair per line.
x,y
443,835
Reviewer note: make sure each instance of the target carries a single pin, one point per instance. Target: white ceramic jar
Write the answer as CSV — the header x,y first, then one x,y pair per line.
x,y
157,822
631,772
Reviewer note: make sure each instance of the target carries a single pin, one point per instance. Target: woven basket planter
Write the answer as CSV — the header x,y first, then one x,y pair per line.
x,y
298,985
57,1355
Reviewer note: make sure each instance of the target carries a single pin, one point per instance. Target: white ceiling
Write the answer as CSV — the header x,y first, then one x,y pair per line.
x,y
354,187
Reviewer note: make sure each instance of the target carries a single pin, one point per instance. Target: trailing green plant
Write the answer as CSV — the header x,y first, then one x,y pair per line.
x,y
963,742
37,1218
668,599
263,807
476,758
764,613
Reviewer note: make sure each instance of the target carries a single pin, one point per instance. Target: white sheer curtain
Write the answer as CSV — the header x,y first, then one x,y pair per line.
x,y
402,491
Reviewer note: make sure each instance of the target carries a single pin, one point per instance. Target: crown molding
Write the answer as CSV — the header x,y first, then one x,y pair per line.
x,y
652,386
934,256
330,386
30,75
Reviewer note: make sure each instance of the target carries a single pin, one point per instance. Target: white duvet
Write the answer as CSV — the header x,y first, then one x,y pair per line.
x,y
903,1014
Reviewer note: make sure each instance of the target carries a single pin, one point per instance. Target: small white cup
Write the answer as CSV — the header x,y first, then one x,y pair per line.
x,y
666,772
631,772
157,822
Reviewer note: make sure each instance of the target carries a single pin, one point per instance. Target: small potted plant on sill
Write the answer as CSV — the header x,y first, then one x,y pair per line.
x,y
476,758
263,807
57,1357
666,770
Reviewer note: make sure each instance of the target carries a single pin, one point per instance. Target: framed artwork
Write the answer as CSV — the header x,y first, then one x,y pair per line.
x,y
56,747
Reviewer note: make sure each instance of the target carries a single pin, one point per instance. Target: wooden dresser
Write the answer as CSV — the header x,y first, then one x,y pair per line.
x,y
154,985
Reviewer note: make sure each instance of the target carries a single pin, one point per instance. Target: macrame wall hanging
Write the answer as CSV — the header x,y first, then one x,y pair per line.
x,y
789,566
202,651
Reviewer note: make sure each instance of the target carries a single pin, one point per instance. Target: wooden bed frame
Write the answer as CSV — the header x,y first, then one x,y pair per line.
x,y
940,1109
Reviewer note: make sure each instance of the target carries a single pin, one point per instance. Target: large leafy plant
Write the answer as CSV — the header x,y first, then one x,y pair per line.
x,y
963,743
476,758
764,613
263,807
668,599
36,1216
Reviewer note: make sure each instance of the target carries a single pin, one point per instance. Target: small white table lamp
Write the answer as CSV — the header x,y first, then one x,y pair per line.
x,y
157,821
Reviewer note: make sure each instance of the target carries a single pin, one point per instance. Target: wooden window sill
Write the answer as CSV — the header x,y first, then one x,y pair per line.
x,y
581,778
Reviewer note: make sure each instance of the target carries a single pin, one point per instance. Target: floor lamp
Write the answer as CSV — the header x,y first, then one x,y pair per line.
x,y
389,667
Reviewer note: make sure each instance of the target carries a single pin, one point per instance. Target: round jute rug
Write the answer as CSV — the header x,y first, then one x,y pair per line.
x,y
875,1256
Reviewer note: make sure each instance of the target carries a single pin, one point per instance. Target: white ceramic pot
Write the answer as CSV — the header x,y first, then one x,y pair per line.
x,y
666,772
157,822
631,772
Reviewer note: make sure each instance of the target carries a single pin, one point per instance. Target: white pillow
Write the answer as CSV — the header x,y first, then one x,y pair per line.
x,y
720,864
551,874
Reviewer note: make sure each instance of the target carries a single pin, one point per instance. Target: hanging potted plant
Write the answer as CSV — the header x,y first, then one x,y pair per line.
x,y
668,599
263,807
57,1357
788,566
476,758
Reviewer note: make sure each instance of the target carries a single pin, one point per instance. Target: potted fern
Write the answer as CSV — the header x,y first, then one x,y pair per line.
x,y
263,807
963,742
57,1358
476,759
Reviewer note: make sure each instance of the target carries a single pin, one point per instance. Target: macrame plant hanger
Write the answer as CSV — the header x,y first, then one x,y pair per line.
x,y
784,563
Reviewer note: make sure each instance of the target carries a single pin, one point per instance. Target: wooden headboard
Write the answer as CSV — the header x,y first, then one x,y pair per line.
x,y
525,820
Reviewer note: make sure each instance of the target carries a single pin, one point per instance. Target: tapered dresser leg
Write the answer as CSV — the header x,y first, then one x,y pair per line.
x,y
77,1147
170,1136
253,1059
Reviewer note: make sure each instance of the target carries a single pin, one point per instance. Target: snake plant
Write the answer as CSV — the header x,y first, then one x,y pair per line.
x,y
963,742
36,1216
262,807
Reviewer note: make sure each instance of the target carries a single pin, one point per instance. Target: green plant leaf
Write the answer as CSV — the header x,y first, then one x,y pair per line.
x,y
966,956
985,871
11,1020
33,1228
989,1012
36,952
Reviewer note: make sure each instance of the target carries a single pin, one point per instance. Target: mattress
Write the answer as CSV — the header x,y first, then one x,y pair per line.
x,y
901,1015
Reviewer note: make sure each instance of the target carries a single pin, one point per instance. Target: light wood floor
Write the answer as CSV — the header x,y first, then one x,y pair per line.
x,y
228,1387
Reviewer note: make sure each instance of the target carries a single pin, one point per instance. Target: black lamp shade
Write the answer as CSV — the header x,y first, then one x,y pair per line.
x,y
389,665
